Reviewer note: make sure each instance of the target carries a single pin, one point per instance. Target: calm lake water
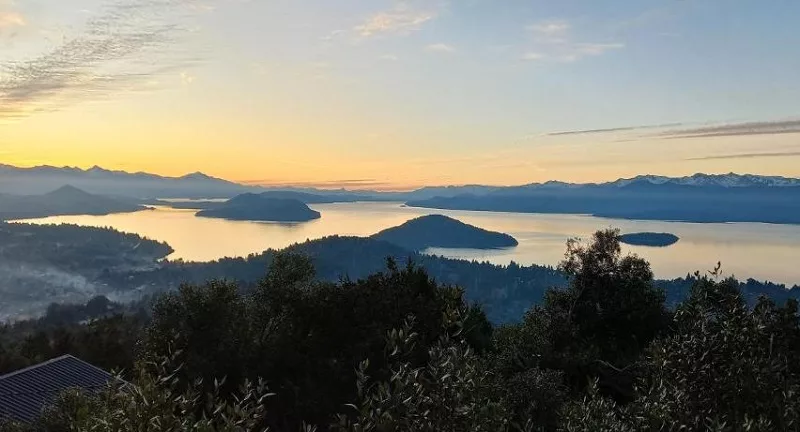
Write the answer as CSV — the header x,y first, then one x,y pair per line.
x,y
746,250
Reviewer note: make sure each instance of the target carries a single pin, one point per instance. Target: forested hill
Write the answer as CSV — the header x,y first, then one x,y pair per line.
x,y
43,264
254,207
506,292
66,200
437,231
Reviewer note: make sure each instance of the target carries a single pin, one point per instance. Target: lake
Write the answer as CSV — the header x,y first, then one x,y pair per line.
x,y
746,250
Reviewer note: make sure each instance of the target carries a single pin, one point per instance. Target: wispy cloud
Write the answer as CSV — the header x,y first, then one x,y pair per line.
x,y
551,29
331,184
441,48
389,57
332,35
612,130
745,156
738,129
553,40
533,56
121,48
401,19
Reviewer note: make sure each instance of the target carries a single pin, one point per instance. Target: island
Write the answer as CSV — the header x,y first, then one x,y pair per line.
x,y
254,207
443,232
649,239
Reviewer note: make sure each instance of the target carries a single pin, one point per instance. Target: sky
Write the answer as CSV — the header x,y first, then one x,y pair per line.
x,y
391,94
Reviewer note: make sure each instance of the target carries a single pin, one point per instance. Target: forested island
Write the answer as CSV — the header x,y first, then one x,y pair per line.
x,y
437,231
254,207
649,239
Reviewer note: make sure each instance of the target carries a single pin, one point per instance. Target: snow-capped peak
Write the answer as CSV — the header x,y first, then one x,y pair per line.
x,y
729,180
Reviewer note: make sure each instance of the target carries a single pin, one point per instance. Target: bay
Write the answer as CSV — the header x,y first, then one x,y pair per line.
x,y
746,250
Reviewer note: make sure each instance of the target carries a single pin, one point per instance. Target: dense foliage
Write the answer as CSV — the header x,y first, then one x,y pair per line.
x,y
398,351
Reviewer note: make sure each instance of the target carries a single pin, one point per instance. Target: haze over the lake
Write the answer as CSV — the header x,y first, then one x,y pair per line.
x,y
746,250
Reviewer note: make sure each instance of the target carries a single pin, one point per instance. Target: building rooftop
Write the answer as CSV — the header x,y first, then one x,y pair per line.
x,y
24,393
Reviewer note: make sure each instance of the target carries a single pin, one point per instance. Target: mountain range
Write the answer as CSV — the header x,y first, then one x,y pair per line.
x,y
697,198
96,180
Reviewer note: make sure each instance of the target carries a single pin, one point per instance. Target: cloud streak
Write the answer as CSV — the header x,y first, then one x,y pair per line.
x,y
553,41
331,184
120,49
745,156
612,130
738,129
551,30
440,48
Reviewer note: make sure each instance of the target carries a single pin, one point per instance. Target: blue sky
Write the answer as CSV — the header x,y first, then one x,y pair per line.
x,y
402,93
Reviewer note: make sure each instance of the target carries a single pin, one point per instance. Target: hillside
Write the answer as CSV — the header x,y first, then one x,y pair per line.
x,y
67,200
443,232
254,207
43,264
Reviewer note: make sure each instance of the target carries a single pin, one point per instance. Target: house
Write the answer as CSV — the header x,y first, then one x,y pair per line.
x,y
24,393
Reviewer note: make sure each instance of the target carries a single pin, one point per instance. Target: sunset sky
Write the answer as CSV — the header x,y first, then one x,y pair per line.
x,y
395,94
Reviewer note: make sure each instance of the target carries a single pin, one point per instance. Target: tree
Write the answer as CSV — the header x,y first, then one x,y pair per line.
x,y
303,336
599,326
208,325
727,365
452,391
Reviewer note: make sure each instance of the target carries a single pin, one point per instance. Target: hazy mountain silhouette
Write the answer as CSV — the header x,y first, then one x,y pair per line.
x,y
255,207
67,200
699,198
96,180
441,231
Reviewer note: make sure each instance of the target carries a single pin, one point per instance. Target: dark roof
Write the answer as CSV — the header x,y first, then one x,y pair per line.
x,y
24,393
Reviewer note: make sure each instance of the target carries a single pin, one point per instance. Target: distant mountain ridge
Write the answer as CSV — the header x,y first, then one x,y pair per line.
x,y
97,180
698,198
730,180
